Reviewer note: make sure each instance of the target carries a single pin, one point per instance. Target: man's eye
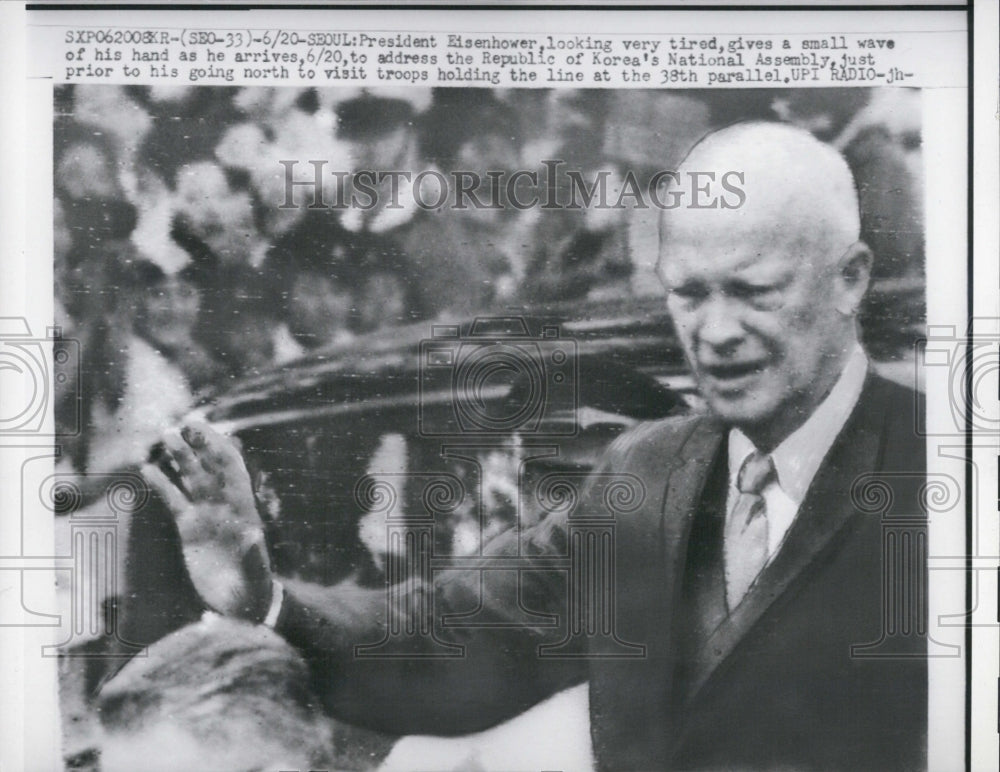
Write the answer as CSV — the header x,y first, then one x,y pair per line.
x,y
689,293
758,294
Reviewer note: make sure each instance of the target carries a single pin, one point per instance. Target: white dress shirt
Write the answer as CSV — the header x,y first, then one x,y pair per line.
x,y
798,457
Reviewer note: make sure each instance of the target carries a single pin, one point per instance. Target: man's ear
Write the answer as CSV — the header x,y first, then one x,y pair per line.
x,y
854,271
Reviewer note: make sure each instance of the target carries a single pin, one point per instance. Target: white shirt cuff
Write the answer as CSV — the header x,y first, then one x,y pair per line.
x,y
277,597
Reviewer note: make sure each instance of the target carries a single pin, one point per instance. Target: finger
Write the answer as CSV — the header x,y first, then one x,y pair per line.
x,y
200,434
161,458
186,446
180,451
194,433
212,468
172,439
175,500
222,448
218,454
212,449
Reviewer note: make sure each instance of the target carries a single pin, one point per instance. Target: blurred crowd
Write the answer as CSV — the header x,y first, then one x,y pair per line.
x,y
177,268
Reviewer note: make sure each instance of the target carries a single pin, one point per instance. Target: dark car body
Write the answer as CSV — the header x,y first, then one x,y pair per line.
x,y
555,386
491,401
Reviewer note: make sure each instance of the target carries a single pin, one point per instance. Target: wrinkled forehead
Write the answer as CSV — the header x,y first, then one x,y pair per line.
x,y
754,259
762,184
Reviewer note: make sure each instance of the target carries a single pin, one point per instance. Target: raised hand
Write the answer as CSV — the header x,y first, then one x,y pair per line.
x,y
212,502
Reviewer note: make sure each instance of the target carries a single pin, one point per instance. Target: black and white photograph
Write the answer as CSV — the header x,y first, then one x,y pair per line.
x,y
399,427
795,289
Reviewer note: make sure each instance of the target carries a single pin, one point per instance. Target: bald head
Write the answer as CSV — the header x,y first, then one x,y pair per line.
x,y
797,189
764,291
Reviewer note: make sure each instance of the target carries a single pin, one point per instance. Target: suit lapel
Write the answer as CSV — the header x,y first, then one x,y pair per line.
x,y
827,508
671,460
685,484
658,540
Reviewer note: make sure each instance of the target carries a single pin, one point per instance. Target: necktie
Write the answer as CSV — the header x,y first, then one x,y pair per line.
x,y
745,538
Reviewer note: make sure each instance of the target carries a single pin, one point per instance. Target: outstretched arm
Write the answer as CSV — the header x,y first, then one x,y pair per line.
x,y
448,681
436,680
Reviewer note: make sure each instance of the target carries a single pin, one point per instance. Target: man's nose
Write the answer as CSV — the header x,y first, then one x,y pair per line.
x,y
719,325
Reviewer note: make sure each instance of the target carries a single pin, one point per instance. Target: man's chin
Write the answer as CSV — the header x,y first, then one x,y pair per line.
x,y
740,411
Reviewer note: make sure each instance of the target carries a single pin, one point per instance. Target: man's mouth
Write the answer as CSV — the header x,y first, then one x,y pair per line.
x,y
732,372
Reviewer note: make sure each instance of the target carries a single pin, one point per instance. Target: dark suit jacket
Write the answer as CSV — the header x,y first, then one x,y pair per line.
x,y
776,685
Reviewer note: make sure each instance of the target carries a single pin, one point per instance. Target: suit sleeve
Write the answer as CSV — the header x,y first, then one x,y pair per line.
x,y
488,674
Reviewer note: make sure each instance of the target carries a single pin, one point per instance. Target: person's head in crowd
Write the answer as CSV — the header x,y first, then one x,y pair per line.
x,y
380,137
85,167
573,126
94,209
319,308
470,130
92,222
764,289
214,206
380,132
167,306
185,130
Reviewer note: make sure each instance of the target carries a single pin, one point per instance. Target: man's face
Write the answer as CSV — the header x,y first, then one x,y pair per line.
x,y
756,314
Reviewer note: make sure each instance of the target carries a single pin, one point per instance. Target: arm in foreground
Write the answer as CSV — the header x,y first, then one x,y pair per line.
x,y
447,680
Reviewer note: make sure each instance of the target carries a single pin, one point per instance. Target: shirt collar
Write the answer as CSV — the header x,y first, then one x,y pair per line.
x,y
798,457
